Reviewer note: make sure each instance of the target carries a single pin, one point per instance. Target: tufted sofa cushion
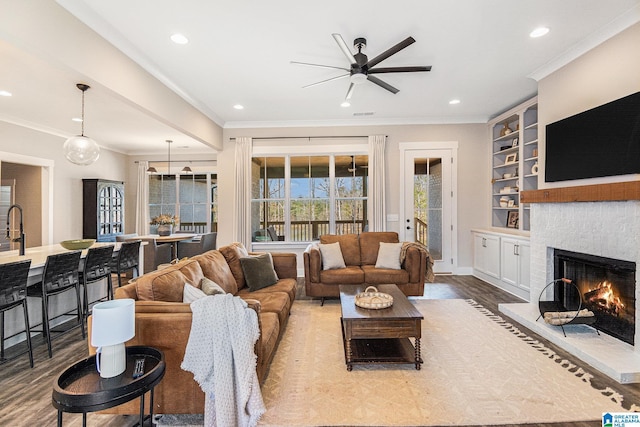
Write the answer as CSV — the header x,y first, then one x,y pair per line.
x,y
215,268
168,284
370,244
232,254
349,245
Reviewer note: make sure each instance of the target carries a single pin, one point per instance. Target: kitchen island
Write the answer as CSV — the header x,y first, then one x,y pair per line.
x,y
59,304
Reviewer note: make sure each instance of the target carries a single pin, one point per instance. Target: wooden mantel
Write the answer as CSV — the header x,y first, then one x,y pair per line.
x,y
618,191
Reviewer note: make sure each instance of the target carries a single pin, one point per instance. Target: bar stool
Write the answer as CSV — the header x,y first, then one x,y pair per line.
x,y
128,258
95,267
60,275
13,293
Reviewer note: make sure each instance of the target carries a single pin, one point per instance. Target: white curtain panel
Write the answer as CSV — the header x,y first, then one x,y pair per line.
x,y
142,199
377,178
242,196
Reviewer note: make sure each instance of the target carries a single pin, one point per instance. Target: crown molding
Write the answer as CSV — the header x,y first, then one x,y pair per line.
x,y
440,120
621,23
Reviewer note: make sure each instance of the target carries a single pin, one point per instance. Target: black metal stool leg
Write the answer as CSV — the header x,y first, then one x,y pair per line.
x,y
45,323
27,331
2,335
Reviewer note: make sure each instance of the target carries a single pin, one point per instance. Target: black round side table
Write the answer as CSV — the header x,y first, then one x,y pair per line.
x,y
79,388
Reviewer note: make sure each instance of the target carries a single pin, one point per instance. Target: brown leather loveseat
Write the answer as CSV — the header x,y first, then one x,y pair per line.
x,y
163,321
360,253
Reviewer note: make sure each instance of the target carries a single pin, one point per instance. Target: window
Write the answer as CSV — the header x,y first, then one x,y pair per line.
x,y
298,198
192,197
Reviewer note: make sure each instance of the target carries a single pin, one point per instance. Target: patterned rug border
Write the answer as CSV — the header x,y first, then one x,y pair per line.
x,y
579,372
584,375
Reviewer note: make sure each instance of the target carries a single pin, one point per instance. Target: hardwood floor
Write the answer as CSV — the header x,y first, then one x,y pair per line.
x,y
25,394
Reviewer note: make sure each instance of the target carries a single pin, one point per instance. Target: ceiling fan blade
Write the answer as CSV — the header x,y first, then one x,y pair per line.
x,y
318,65
398,69
344,48
350,92
325,81
382,84
387,53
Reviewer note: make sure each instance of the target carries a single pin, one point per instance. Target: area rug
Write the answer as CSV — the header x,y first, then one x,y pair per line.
x,y
478,369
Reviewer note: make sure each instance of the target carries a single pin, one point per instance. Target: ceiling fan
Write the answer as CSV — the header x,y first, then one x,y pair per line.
x,y
361,68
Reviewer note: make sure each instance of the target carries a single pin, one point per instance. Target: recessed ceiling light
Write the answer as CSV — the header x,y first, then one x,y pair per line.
x,y
539,32
238,107
454,101
5,93
345,104
77,119
178,38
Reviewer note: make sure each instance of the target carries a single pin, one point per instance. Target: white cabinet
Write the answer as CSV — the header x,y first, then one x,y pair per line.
x,y
486,254
503,260
515,260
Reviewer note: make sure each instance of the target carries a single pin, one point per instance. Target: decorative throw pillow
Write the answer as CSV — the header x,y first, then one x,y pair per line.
x,y
331,256
258,271
210,287
389,256
191,293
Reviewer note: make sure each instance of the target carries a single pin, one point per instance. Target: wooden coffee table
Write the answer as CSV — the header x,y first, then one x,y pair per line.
x,y
380,336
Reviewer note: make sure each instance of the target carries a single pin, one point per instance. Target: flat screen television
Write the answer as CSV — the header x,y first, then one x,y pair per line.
x,y
603,141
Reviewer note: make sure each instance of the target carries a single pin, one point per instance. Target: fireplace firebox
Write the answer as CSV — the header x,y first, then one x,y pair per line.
x,y
605,286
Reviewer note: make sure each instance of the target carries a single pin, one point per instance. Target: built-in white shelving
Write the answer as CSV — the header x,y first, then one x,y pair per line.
x,y
514,159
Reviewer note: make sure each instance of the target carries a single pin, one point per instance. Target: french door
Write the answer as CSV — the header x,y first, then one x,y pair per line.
x,y
429,204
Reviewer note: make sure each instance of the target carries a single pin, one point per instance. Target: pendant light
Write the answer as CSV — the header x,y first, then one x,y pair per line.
x,y
81,149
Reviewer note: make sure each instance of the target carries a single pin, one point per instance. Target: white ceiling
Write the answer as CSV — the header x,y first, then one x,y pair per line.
x,y
240,53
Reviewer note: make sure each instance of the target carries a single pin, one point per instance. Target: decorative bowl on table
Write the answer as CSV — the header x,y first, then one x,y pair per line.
x,y
372,299
77,244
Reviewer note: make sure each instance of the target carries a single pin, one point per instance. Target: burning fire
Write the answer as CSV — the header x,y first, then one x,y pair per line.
x,y
603,297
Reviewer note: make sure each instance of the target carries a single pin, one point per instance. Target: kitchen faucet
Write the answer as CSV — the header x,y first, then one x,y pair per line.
x,y
21,238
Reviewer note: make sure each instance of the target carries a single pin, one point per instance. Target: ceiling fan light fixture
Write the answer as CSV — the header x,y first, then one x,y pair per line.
x,y
358,78
81,149
345,104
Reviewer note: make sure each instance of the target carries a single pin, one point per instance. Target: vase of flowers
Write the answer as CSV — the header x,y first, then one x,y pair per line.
x,y
165,223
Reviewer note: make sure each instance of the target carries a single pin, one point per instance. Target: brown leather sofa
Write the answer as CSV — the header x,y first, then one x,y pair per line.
x,y
163,321
360,253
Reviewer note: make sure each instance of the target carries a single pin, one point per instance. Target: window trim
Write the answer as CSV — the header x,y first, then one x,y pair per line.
x,y
288,149
178,177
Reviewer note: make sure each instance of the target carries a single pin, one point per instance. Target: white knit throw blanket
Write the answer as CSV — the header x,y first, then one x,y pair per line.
x,y
220,354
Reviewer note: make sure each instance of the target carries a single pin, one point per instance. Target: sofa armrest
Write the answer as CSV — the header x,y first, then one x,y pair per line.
x,y
312,265
126,291
415,262
254,304
285,264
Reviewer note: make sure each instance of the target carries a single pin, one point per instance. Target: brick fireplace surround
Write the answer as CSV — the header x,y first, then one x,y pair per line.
x,y
602,220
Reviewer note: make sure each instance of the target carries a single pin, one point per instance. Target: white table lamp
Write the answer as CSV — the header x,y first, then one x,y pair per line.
x,y
113,323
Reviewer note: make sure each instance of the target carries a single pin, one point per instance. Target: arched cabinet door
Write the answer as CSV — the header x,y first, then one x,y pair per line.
x,y
103,209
